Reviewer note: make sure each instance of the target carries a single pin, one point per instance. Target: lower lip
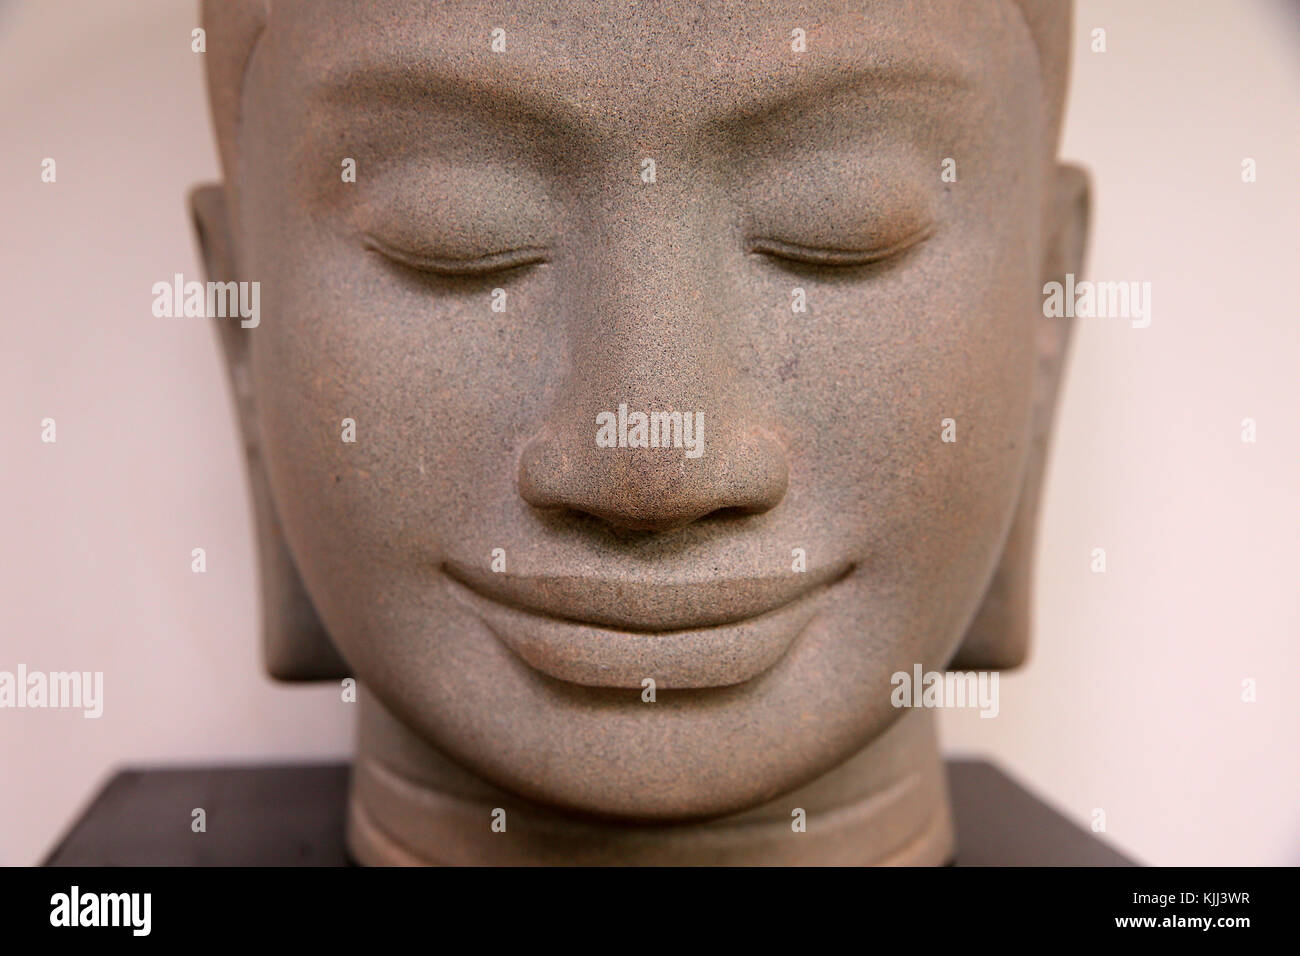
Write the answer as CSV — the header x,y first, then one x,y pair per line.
x,y
596,656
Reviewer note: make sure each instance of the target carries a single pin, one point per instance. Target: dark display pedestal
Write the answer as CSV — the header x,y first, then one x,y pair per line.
x,y
293,815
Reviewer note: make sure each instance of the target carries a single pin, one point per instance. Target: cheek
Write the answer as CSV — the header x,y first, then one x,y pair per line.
x,y
439,385
913,430
436,390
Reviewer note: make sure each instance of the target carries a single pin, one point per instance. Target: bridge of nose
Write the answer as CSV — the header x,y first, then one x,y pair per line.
x,y
654,426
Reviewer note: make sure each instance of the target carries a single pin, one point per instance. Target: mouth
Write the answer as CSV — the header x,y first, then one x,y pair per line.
x,y
608,632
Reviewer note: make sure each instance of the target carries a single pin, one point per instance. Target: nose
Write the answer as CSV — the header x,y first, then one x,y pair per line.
x,y
739,470
654,427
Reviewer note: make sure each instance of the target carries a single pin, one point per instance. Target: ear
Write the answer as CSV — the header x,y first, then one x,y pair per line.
x,y
998,636
295,645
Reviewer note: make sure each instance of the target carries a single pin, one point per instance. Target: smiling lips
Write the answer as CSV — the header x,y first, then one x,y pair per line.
x,y
608,633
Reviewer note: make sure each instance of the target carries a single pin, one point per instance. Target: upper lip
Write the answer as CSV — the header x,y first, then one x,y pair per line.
x,y
642,605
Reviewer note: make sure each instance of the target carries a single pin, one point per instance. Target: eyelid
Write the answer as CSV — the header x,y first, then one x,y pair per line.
x,y
838,257
459,266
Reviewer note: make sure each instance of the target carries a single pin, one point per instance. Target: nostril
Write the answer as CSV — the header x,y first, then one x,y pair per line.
x,y
733,513
637,524
650,517
617,527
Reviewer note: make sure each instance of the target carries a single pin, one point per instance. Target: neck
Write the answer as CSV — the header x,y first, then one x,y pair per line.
x,y
411,805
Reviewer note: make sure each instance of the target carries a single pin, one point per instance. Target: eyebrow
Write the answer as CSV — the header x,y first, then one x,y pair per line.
x,y
522,97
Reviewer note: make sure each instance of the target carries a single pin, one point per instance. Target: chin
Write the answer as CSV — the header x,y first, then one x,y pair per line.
x,y
605,752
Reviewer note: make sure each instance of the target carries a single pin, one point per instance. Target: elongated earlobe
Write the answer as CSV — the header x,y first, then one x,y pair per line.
x,y
295,646
998,636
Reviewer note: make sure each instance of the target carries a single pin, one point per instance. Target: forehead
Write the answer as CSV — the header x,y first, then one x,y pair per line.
x,y
627,65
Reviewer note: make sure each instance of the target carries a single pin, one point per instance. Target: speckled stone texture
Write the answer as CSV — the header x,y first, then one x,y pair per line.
x,y
486,231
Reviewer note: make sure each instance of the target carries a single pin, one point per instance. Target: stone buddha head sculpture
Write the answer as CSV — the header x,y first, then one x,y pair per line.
x,y
638,389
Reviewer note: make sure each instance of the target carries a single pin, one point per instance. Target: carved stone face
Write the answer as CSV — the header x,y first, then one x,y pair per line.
x,y
630,209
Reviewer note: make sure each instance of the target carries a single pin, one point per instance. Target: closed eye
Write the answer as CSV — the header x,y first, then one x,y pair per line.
x,y
483,265
835,257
